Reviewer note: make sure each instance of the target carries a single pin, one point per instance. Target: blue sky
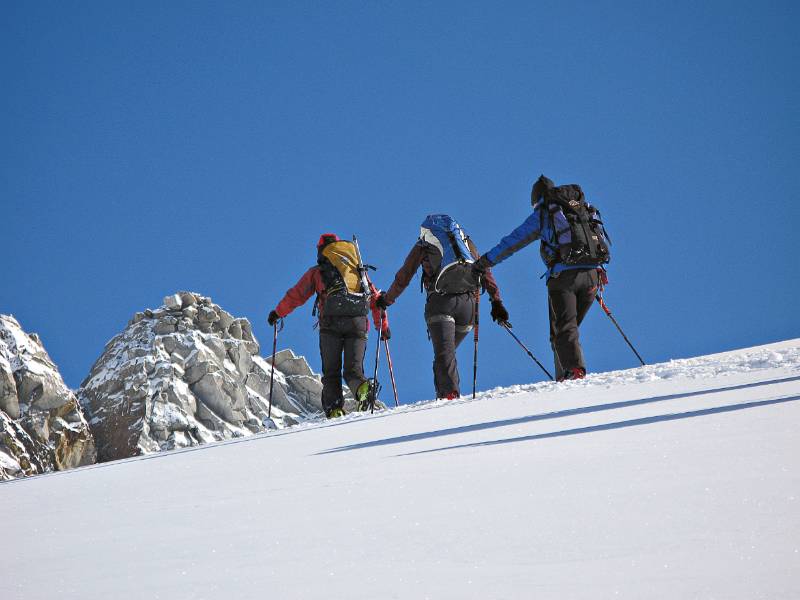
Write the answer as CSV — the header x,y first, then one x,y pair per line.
x,y
148,147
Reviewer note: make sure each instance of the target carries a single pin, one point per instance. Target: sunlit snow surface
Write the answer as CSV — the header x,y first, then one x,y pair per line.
x,y
677,480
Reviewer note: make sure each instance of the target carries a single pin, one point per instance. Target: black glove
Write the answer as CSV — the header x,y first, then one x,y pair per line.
x,y
386,334
273,317
380,302
480,266
499,312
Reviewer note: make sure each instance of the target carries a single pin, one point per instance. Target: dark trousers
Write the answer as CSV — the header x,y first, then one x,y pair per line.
x,y
449,319
337,336
571,294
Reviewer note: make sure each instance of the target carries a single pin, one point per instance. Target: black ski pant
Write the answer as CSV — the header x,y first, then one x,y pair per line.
x,y
341,336
571,294
449,318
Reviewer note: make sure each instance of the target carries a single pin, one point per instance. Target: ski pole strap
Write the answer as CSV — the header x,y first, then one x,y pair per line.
x,y
602,279
603,304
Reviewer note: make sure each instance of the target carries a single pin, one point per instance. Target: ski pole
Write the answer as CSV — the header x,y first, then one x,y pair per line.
x,y
374,390
475,354
507,327
391,371
613,320
272,373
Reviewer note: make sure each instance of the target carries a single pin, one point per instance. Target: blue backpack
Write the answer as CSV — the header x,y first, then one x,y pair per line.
x,y
450,255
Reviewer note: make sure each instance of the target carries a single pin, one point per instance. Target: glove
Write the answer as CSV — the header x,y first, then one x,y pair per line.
x,y
480,266
273,317
380,302
499,312
386,334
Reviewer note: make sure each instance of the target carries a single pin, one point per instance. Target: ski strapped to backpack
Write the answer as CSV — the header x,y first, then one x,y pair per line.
x,y
347,289
448,244
362,269
579,235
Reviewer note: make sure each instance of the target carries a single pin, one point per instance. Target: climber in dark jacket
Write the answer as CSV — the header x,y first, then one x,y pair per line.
x,y
449,317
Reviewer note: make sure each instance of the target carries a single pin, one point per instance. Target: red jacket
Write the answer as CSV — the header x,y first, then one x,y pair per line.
x,y
310,283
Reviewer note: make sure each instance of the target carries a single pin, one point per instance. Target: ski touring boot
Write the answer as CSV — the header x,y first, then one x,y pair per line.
x,y
335,413
574,373
367,395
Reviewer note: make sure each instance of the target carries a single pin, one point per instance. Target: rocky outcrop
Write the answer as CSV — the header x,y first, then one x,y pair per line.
x,y
42,427
189,373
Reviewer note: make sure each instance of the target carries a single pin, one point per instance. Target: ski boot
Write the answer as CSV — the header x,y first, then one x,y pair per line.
x,y
335,413
574,373
366,395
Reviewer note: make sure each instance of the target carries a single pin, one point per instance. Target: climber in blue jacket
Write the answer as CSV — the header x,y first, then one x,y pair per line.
x,y
574,246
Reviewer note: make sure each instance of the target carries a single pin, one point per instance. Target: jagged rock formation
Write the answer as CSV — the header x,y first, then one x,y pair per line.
x,y
42,427
189,373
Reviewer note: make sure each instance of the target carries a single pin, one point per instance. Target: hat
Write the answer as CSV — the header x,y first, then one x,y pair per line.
x,y
540,187
327,238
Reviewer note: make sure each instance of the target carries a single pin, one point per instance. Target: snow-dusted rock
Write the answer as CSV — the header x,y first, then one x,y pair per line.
x,y
42,427
189,373
174,302
288,363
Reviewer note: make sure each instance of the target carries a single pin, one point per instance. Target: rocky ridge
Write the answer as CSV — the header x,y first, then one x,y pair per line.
x,y
190,373
42,427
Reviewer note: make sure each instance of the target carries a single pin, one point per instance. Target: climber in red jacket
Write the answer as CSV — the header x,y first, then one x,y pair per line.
x,y
345,296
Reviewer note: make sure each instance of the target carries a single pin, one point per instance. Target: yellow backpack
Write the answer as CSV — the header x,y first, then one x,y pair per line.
x,y
344,275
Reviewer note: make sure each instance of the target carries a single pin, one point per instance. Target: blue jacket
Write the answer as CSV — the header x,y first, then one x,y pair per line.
x,y
535,227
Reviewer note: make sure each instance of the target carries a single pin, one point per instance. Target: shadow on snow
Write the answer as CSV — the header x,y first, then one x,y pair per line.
x,y
568,413
617,425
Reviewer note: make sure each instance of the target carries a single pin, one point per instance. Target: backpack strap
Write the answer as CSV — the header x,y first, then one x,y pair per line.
x,y
548,208
553,209
554,245
599,221
542,206
456,250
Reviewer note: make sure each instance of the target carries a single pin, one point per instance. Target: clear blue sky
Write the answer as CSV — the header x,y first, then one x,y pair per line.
x,y
147,147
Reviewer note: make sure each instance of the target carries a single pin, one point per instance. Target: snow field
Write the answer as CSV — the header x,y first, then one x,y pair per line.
x,y
678,480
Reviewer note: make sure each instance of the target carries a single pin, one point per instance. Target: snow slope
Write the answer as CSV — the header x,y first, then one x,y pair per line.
x,y
678,480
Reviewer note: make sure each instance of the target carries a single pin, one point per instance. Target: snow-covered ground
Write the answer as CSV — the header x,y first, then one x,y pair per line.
x,y
678,480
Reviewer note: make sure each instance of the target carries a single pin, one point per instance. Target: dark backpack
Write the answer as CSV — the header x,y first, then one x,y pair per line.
x,y
579,237
450,256
341,270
